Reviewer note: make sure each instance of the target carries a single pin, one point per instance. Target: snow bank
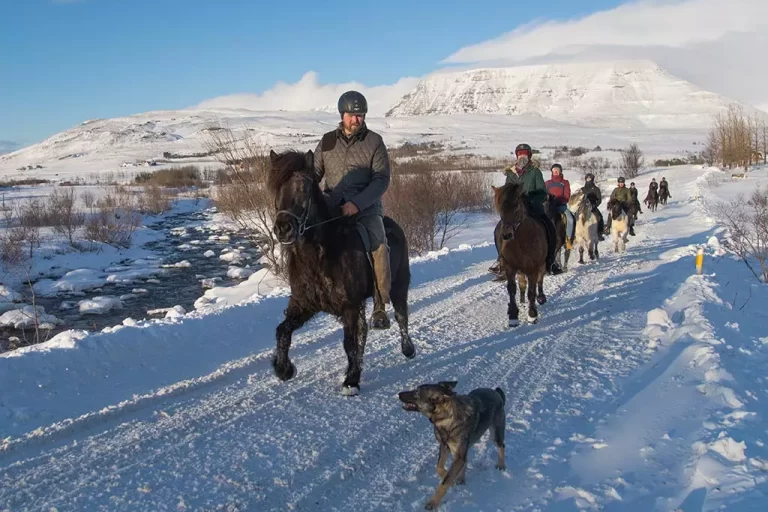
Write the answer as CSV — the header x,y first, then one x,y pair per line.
x,y
74,282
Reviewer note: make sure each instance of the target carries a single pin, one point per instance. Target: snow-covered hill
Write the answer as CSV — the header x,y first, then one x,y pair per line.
x,y
628,94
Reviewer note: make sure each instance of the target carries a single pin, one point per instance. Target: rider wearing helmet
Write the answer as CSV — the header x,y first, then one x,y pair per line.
x,y
621,194
664,186
635,200
353,162
594,195
526,172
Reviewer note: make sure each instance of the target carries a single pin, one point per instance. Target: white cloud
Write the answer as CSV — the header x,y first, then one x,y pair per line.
x,y
715,44
309,94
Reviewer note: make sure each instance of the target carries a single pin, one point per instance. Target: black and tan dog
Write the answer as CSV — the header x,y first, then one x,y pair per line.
x,y
459,421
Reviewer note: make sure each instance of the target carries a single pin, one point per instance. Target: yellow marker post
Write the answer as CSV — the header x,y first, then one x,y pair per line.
x,y
699,260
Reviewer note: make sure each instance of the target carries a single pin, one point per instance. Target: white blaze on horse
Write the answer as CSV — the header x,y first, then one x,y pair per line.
x,y
619,226
586,235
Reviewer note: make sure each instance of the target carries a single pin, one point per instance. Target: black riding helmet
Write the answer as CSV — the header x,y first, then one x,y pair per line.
x,y
524,147
558,166
589,177
621,179
352,102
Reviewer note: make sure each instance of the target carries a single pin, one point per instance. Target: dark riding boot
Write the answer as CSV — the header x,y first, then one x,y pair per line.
x,y
495,269
552,266
382,280
632,230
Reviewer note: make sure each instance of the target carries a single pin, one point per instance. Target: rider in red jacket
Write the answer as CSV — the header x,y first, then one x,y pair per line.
x,y
560,188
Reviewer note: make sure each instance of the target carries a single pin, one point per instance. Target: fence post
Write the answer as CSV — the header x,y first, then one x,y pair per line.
x,y
699,260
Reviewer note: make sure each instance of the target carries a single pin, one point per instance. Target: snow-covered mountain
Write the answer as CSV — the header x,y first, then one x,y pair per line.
x,y
484,110
634,93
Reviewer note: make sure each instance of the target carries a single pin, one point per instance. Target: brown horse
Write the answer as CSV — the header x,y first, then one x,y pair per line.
x,y
522,249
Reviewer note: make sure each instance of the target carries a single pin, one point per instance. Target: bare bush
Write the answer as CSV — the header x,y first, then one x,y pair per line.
x,y
116,218
432,207
632,161
243,194
181,177
89,199
64,214
596,165
747,224
153,200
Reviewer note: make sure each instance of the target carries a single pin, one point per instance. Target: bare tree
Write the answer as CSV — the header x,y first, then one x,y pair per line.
x,y
632,161
89,199
244,196
747,224
597,166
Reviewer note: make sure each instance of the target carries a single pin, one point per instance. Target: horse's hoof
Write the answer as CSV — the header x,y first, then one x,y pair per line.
x,y
408,349
533,319
582,262
541,299
347,390
380,320
513,322
285,374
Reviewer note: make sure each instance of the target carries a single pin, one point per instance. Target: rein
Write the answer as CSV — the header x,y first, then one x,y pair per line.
x,y
301,221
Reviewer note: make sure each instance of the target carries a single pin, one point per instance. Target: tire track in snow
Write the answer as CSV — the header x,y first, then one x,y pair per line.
x,y
208,440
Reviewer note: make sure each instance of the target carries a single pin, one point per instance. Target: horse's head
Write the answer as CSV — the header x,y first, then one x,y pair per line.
x,y
581,204
292,180
509,201
616,208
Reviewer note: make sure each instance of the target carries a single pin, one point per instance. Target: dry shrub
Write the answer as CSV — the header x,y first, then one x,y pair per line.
x,y
116,218
747,224
154,200
243,195
632,161
66,218
432,207
178,177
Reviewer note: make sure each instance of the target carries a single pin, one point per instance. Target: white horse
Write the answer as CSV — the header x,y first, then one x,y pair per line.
x,y
619,227
586,236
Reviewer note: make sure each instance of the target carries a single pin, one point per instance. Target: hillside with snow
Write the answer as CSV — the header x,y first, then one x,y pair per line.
x,y
621,94
641,388
608,104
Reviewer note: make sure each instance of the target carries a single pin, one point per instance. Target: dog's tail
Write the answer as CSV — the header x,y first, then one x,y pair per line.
x,y
503,396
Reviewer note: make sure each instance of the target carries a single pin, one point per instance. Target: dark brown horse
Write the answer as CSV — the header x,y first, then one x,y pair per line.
x,y
652,199
523,250
328,267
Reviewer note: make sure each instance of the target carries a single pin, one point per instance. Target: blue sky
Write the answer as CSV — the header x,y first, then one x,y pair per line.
x,y
65,61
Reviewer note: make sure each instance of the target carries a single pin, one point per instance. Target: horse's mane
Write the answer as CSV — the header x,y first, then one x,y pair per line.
x,y
284,166
509,195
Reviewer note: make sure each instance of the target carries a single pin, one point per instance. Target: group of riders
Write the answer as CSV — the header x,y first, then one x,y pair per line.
x,y
558,189
353,163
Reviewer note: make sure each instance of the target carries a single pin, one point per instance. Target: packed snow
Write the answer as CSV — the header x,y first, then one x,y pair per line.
x,y
634,392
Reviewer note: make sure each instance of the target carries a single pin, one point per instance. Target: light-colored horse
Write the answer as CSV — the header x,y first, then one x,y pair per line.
x,y
586,236
619,227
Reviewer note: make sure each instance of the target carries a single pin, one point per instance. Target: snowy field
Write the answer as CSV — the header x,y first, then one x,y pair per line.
x,y
640,389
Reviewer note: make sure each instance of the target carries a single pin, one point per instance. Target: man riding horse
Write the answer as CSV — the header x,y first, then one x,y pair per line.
x,y
353,162
635,200
526,172
595,197
622,195
664,191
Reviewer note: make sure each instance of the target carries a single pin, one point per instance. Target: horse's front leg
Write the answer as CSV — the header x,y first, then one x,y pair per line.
x,y
355,337
295,317
581,255
533,313
512,311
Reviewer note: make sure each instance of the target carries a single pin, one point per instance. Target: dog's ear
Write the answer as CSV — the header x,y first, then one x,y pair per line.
x,y
448,385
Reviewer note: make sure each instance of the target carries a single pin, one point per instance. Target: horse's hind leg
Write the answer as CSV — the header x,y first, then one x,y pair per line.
x,y
581,255
295,317
355,336
512,311
540,297
523,284
400,305
533,313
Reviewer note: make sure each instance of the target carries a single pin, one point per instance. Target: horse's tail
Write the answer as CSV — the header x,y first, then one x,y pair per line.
x,y
503,396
